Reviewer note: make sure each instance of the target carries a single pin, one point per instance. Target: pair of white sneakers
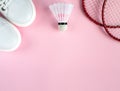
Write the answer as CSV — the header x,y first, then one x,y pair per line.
x,y
16,12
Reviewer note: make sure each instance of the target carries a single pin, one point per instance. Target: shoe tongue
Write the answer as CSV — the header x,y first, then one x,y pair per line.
x,y
4,4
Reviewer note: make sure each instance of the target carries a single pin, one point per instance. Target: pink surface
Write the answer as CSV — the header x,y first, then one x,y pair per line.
x,y
80,59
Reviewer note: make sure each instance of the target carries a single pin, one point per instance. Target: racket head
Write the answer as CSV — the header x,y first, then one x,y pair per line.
x,y
110,16
93,10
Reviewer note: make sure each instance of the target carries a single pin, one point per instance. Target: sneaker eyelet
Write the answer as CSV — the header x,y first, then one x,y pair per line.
x,y
3,9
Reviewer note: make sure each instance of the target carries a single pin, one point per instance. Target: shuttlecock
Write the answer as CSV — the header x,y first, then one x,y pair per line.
x,y
61,12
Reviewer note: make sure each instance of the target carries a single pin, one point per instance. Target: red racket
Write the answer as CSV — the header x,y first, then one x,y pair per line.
x,y
93,10
111,16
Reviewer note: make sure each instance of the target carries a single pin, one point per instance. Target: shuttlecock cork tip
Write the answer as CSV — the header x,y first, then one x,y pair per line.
x,y
62,26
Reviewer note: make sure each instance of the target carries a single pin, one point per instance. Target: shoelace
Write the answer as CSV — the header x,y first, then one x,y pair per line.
x,y
4,4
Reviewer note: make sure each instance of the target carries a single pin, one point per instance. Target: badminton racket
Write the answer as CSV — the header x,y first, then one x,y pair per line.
x,y
93,10
111,16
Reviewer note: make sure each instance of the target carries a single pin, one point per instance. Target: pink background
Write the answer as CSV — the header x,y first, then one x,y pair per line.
x,y
81,59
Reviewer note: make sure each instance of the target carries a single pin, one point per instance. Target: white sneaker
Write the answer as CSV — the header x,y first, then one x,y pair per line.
x,y
19,12
10,37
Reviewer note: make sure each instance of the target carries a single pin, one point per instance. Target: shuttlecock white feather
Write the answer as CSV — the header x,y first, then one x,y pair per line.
x,y
61,12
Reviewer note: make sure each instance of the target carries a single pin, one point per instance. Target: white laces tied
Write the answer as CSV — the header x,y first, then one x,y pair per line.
x,y
4,4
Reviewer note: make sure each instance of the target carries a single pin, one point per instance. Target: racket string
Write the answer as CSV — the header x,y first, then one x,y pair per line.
x,y
104,13
111,16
